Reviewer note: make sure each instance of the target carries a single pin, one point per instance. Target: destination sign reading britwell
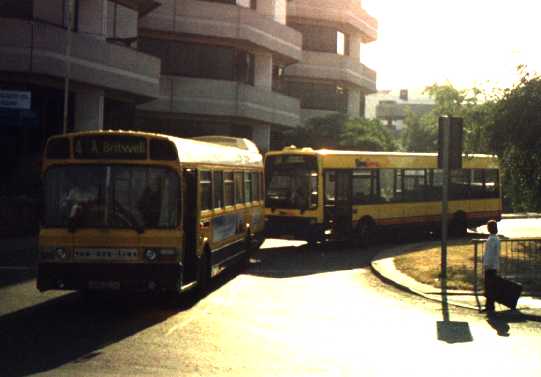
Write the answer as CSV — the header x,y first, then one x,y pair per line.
x,y
105,146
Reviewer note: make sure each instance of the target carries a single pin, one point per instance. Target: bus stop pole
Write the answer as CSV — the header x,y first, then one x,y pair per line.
x,y
67,58
445,197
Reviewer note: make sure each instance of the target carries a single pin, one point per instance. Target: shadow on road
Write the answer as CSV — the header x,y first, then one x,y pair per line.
x,y
501,320
69,329
284,262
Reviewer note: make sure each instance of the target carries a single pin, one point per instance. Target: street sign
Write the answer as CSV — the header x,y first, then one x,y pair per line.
x,y
455,126
13,99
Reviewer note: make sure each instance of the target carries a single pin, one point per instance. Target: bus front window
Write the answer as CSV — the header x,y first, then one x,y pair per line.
x,y
294,188
115,196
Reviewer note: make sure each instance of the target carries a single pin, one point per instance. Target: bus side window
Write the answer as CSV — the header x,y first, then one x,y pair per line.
x,y
492,186
239,187
229,193
248,186
255,186
218,188
386,181
206,190
330,187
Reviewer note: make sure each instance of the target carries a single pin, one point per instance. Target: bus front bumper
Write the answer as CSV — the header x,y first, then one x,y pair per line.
x,y
301,228
126,277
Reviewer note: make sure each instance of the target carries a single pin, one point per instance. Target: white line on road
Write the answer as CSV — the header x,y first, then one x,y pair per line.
x,y
15,268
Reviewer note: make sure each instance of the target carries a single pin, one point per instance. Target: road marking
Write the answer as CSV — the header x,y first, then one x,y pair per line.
x,y
15,268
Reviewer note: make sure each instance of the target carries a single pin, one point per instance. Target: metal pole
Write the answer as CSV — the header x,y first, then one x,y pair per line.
x,y
445,196
67,64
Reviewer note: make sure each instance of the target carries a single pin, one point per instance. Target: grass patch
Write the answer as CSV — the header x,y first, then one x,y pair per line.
x,y
424,265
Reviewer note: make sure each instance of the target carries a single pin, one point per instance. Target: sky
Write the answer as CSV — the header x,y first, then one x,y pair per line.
x,y
469,43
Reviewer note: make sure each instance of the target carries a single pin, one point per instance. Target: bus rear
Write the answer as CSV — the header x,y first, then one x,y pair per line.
x,y
292,203
111,216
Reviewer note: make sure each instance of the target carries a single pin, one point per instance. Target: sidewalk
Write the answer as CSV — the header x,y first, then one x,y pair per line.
x,y
16,244
383,265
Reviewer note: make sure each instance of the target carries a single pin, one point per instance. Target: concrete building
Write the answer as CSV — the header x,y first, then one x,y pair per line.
x,y
392,106
218,58
108,76
330,77
182,67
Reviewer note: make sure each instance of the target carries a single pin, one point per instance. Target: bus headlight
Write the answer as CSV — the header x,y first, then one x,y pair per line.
x,y
151,255
61,253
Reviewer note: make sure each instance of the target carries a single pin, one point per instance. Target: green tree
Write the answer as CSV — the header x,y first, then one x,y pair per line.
x,y
420,133
336,131
515,136
368,135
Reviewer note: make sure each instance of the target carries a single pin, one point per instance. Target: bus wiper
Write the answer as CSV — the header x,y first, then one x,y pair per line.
x,y
129,217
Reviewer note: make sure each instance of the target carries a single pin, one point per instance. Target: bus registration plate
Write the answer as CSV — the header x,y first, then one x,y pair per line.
x,y
104,285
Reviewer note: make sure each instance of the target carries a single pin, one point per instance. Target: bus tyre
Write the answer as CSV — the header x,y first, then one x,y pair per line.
x,y
459,225
203,273
365,231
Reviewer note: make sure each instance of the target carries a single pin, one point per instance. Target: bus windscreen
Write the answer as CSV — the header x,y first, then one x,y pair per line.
x,y
111,196
291,182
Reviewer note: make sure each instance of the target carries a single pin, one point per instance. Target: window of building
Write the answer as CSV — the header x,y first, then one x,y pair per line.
x,y
242,3
319,96
202,61
206,190
23,9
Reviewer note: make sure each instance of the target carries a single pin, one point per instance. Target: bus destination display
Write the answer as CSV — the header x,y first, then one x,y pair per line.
x,y
105,147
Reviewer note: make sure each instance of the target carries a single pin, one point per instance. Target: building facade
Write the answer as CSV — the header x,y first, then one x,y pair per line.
x,y
330,77
217,58
107,76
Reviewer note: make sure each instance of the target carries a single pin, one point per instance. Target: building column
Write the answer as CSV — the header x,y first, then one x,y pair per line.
x,y
355,48
89,109
354,103
263,71
261,137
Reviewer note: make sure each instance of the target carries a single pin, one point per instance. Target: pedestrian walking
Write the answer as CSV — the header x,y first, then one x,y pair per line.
x,y
491,264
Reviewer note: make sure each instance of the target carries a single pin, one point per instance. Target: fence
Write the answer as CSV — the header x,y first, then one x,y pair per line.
x,y
520,261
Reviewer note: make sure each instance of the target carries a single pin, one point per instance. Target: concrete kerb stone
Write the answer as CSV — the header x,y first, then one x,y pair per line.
x,y
383,266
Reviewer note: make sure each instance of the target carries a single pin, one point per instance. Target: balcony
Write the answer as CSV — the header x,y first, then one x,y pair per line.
x,y
332,67
349,14
225,22
32,47
225,99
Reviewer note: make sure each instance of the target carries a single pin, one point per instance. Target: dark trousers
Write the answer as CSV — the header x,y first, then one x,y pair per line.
x,y
489,289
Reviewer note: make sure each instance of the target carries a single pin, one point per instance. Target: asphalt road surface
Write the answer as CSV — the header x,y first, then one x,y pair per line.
x,y
295,311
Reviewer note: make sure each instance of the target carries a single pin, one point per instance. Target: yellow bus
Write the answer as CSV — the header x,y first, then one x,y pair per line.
x,y
319,194
138,211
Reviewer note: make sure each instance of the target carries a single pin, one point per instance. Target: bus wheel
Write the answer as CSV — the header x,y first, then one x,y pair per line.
x,y
203,273
365,231
459,225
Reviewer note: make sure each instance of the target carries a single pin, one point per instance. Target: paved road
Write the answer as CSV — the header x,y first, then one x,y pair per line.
x,y
295,311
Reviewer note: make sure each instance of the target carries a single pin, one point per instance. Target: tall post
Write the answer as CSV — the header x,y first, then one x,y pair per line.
x,y
70,12
446,124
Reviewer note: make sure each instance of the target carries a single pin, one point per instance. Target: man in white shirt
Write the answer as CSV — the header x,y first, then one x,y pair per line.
x,y
491,264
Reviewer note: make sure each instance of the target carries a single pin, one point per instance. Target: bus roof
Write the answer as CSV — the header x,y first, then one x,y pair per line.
x,y
351,159
191,150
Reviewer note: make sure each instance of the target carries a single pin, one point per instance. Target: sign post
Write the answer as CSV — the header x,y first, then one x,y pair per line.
x,y
449,157
70,12
444,124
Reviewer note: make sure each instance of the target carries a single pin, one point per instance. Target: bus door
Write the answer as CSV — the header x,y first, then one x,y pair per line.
x,y
190,224
338,203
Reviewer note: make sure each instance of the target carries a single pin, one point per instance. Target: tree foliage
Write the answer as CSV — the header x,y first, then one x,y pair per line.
x,y
338,132
515,135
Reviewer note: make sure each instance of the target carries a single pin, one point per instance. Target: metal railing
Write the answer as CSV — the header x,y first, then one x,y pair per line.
x,y
520,261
